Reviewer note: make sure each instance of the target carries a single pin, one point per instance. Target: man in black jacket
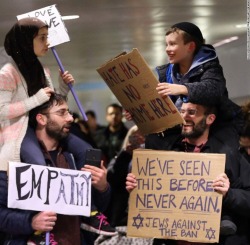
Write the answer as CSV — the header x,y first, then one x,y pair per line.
x,y
109,139
52,126
197,135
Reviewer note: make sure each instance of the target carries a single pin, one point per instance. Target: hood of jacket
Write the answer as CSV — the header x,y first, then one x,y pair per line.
x,y
205,54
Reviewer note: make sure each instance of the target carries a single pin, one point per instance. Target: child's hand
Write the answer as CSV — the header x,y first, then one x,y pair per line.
x,y
127,115
171,89
49,91
67,77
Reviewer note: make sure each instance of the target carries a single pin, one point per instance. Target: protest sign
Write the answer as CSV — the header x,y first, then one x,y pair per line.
x,y
134,85
42,188
174,198
50,15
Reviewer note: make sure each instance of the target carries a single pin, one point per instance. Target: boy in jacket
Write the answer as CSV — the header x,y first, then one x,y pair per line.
x,y
195,75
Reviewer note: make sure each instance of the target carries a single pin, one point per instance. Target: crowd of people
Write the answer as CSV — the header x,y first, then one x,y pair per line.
x,y
37,127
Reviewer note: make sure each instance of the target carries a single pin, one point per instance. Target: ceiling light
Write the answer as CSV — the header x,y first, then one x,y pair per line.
x,y
70,17
227,40
241,26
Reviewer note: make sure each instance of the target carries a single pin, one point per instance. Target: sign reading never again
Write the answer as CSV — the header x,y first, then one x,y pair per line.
x,y
174,198
134,85
63,191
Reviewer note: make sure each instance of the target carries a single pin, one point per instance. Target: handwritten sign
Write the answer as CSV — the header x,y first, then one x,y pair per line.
x,y
50,15
134,85
174,198
41,188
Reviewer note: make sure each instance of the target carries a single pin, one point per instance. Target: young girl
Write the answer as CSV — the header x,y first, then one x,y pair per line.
x,y
24,85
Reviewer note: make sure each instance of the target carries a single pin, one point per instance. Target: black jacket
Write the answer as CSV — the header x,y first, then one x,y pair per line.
x,y
110,142
118,168
206,85
237,200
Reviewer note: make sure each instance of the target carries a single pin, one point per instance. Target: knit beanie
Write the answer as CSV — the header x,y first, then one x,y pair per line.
x,y
191,29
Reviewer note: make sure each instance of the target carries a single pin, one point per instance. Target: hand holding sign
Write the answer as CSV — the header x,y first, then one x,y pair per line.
x,y
44,221
67,77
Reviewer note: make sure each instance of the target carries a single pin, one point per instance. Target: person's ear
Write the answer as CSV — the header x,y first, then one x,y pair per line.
x,y
41,119
192,46
210,119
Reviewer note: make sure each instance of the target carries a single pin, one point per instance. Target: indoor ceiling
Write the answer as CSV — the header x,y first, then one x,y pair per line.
x,y
108,27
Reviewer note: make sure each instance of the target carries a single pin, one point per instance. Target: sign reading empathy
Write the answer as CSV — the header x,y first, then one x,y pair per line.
x,y
134,85
50,15
41,188
174,198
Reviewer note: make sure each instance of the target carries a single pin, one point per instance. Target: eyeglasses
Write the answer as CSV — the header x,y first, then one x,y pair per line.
x,y
190,112
61,113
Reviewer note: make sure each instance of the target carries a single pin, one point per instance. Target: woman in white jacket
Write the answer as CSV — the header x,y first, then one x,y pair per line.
x,y
24,85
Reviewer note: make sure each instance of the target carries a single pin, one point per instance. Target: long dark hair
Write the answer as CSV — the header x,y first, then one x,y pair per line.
x,y
19,45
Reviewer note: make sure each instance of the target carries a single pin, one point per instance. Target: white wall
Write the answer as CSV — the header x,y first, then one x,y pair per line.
x,y
233,58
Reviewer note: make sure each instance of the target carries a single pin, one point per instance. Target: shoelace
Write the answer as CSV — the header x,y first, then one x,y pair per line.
x,y
51,240
102,219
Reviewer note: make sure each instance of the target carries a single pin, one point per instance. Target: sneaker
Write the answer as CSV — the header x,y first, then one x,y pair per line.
x,y
227,227
40,239
98,224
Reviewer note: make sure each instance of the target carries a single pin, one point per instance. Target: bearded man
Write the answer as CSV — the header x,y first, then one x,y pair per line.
x,y
197,135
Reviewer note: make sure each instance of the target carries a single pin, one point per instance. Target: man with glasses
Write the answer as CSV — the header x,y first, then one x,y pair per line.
x,y
196,135
51,122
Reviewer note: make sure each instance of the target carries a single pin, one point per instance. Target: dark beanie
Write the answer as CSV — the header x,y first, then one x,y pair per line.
x,y
191,29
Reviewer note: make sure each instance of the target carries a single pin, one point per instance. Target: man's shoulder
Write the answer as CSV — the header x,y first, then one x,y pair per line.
x,y
100,135
124,129
101,130
99,127
217,145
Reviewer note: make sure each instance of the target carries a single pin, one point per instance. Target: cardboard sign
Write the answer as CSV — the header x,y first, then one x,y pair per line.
x,y
174,198
50,15
134,85
41,188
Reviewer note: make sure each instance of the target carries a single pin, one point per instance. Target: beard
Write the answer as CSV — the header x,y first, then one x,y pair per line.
x,y
55,131
198,129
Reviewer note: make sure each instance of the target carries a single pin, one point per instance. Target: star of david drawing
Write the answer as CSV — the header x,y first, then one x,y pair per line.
x,y
138,221
210,233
